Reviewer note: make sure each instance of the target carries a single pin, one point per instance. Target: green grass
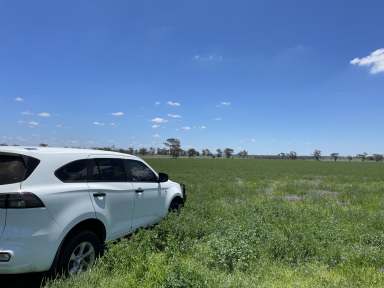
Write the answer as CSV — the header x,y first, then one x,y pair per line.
x,y
257,223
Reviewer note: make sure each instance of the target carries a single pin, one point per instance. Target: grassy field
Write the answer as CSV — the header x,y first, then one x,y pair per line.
x,y
257,223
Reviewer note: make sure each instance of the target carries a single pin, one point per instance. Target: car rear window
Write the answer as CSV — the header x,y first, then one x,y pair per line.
x,y
74,172
16,168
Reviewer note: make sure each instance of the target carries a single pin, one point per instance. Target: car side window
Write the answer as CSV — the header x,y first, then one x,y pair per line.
x,y
107,170
139,172
73,172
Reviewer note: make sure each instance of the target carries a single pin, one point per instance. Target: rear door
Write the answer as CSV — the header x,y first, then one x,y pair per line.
x,y
112,194
149,201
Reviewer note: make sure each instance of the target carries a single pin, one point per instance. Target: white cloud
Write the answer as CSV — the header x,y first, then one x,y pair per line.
x,y
203,127
218,119
44,114
19,99
186,128
156,135
224,104
175,116
26,113
157,103
175,104
212,58
59,126
118,114
98,123
159,120
154,126
375,61
33,124
112,124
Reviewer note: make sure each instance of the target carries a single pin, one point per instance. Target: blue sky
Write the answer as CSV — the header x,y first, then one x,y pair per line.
x,y
266,76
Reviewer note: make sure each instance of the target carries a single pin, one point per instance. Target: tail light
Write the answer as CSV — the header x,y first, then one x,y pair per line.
x,y
20,200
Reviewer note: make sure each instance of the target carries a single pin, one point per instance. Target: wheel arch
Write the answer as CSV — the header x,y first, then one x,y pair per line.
x,y
176,199
91,224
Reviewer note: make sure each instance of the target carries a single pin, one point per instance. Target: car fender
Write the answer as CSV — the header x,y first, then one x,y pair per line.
x,y
173,190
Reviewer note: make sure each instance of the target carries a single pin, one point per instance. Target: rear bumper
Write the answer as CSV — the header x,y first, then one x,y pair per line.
x,y
32,255
32,248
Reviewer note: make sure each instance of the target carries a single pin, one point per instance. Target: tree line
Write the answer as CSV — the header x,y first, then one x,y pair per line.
x,y
172,147
317,155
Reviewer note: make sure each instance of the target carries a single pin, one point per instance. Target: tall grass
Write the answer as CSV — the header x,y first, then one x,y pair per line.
x,y
257,223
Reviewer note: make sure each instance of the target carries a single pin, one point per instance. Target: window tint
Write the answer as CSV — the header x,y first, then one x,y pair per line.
x,y
139,172
73,172
14,168
107,170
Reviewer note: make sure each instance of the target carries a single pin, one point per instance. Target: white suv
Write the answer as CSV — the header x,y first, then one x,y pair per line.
x,y
58,206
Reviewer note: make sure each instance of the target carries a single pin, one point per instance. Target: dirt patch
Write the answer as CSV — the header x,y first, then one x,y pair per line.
x,y
324,193
293,198
239,182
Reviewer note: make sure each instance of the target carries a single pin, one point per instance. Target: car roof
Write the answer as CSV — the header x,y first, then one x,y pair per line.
x,y
45,151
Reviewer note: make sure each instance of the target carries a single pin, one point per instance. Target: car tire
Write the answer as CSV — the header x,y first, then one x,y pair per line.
x,y
176,205
78,253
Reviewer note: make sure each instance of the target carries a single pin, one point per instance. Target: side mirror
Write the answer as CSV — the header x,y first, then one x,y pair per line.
x,y
163,177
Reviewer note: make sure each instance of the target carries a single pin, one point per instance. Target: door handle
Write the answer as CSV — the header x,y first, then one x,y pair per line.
x,y
100,194
139,190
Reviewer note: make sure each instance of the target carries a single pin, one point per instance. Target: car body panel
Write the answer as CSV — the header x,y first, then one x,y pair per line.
x,y
148,204
32,236
115,208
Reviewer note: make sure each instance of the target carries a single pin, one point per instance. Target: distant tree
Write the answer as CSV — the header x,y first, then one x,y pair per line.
x,y
130,150
219,153
378,157
362,156
292,155
349,157
152,151
192,152
243,154
228,152
335,156
282,155
206,153
43,145
143,151
317,154
3,144
162,151
174,147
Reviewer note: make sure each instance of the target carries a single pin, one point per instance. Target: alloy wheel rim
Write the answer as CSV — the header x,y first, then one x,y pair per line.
x,y
82,258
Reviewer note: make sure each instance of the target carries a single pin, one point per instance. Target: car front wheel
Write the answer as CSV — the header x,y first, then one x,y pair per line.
x,y
176,205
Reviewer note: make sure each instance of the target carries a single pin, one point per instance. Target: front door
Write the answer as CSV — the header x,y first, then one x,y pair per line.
x,y
149,201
